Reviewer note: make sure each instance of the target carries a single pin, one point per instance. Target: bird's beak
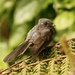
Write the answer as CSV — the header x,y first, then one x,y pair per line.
x,y
53,25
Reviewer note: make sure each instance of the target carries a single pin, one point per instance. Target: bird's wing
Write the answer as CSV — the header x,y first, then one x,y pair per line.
x,y
41,46
43,41
19,50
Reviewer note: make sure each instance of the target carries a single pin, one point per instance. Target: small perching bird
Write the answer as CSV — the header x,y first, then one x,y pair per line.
x,y
38,38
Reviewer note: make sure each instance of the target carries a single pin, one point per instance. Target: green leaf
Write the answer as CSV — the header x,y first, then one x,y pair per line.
x,y
65,66
26,10
64,20
2,5
6,5
64,4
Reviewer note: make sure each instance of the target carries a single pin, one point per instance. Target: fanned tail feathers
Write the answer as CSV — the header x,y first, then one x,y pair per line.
x,y
17,52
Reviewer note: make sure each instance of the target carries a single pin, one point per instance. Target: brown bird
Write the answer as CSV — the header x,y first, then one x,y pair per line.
x,y
38,38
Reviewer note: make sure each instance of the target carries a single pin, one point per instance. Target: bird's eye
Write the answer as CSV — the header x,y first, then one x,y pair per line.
x,y
46,23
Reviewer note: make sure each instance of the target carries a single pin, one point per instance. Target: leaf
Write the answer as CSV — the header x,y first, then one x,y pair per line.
x,y
65,66
68,51
58,4
6,5
2,5
26,10
64,20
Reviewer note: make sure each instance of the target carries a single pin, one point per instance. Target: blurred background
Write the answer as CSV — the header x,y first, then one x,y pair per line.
x,y
17,17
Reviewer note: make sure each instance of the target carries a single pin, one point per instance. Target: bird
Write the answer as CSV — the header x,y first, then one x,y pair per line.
x,y
37,38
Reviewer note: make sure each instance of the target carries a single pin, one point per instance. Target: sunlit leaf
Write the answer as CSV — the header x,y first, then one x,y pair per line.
x,y
6,5
64,20
2,5
58,4
26,10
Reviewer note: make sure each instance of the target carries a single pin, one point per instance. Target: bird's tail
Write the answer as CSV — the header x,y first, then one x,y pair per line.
x,y
17,52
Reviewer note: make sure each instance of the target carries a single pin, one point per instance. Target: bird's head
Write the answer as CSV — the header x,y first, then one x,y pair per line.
x,y
46,22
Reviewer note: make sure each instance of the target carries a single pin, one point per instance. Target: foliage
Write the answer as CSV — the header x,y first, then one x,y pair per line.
x,y
17,17
56,64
